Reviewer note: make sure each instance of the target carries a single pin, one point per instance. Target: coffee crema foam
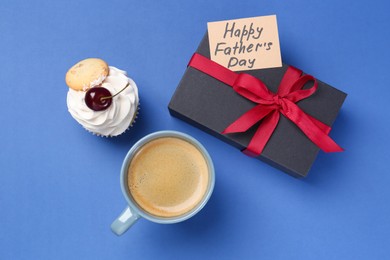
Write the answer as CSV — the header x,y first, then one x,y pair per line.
x,y
168,177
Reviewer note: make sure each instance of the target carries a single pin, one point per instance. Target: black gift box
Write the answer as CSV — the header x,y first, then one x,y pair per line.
x,y
210,105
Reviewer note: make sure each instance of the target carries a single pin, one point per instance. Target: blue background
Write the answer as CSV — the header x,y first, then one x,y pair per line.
x,y
59,185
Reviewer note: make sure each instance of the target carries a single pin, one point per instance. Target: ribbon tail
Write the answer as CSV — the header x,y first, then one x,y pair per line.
x,y
247,120
324,128
262,135
311,129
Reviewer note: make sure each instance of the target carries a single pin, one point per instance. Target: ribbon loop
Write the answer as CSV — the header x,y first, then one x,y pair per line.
x,y
270,105
286,84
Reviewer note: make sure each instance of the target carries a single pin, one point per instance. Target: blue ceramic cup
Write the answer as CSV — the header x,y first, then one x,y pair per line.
x,y
133,212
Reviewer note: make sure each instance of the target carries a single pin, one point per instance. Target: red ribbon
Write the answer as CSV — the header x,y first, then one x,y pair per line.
x,y
269,105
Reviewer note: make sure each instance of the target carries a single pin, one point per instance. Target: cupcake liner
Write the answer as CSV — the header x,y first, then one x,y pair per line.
x,y
133,121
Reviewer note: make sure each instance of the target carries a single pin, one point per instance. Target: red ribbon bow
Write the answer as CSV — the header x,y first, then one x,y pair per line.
x,y
269,105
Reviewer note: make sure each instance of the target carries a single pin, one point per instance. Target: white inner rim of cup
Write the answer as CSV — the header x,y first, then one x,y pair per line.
x,y
124,172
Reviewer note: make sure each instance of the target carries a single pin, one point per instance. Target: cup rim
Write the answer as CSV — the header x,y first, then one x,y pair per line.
x,y
123,176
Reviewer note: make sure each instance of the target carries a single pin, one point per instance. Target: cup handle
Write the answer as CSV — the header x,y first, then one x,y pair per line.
x,y
126,219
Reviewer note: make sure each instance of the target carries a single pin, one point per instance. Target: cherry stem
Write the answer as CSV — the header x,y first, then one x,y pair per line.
x,y
103,98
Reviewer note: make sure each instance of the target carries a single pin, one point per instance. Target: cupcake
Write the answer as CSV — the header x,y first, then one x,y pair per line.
x,y
101,98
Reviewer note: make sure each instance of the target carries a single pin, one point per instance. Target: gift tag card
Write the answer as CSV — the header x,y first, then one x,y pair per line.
x,y
245,44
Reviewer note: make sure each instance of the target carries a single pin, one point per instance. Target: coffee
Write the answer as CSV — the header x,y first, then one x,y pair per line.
x,y
168,177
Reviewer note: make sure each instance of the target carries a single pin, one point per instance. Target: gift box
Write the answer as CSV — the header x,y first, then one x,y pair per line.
x,y
210,104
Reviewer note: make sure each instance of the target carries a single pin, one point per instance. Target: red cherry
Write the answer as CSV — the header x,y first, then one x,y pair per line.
x,y
98,98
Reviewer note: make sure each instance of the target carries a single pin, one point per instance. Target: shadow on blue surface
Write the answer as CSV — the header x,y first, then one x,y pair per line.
x,y
328,164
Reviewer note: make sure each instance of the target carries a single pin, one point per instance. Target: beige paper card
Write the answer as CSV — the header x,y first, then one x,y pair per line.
x,y
245,44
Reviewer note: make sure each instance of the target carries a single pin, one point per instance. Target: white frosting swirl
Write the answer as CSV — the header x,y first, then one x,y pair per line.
x,y
118,116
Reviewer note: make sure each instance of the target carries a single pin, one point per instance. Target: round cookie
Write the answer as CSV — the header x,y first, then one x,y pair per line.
x,y
87,73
